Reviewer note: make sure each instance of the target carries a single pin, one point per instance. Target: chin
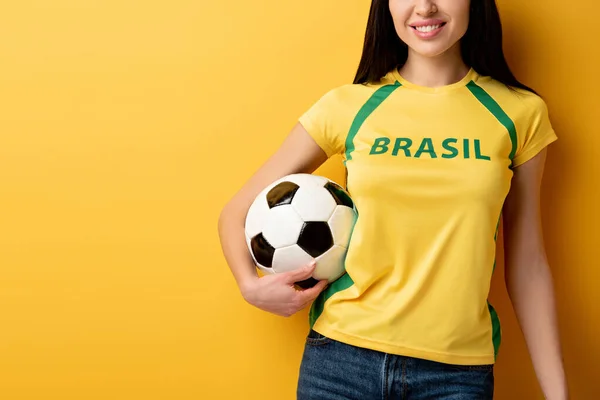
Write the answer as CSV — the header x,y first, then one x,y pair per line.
x,y
429,50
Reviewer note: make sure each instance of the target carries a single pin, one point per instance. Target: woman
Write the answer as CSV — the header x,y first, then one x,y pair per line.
x,y
438,139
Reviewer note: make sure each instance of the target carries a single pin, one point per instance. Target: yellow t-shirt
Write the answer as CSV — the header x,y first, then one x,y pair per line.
x,y
429,170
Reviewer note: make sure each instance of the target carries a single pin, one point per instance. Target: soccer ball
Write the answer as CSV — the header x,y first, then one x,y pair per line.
x,y
297,219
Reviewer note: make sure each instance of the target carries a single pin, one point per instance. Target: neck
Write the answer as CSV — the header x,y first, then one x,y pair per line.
x,y
444,69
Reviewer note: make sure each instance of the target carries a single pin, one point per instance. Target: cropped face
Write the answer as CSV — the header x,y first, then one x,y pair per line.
x,y
430,27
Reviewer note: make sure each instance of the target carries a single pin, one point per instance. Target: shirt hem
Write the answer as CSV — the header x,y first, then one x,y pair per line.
x,y
446,358
534,150
321,142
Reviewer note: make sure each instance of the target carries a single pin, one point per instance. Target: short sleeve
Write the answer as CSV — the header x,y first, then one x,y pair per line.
x,y
534,131
324,122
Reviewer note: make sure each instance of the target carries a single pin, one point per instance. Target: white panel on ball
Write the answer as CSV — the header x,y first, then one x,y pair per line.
x,y
330,265
256,216
267,271
282,226
290,258
341,224
307,180
313,203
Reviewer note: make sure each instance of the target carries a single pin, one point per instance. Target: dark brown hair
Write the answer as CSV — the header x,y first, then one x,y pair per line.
x,y
481,46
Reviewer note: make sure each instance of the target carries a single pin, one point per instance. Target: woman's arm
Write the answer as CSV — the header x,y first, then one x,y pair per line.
x,y
528,277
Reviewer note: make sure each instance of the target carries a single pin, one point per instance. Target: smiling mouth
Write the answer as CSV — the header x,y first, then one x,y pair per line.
x,y
428,28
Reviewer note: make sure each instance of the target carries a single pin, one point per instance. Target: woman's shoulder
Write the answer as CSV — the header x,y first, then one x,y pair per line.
x,y
352,95
358,88
515,101
348,95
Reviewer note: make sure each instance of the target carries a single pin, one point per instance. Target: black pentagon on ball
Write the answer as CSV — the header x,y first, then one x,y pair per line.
x,y
281,194
307,283
262,250
339,194
315,238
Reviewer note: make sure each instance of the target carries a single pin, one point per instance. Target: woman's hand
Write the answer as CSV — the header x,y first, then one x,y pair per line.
x,y
277,293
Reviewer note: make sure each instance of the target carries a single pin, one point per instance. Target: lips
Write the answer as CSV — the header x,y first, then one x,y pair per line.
x,y
427,22
428,28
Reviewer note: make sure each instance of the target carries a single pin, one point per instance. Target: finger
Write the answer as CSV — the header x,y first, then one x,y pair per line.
x,y
310,294
300,274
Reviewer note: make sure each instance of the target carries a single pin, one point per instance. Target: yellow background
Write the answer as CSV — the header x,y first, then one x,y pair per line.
x,y
126,125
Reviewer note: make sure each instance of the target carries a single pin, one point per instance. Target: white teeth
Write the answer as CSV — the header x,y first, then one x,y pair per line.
x,y
427,28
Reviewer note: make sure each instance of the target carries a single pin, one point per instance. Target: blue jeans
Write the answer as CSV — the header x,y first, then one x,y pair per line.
x,y
331,370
